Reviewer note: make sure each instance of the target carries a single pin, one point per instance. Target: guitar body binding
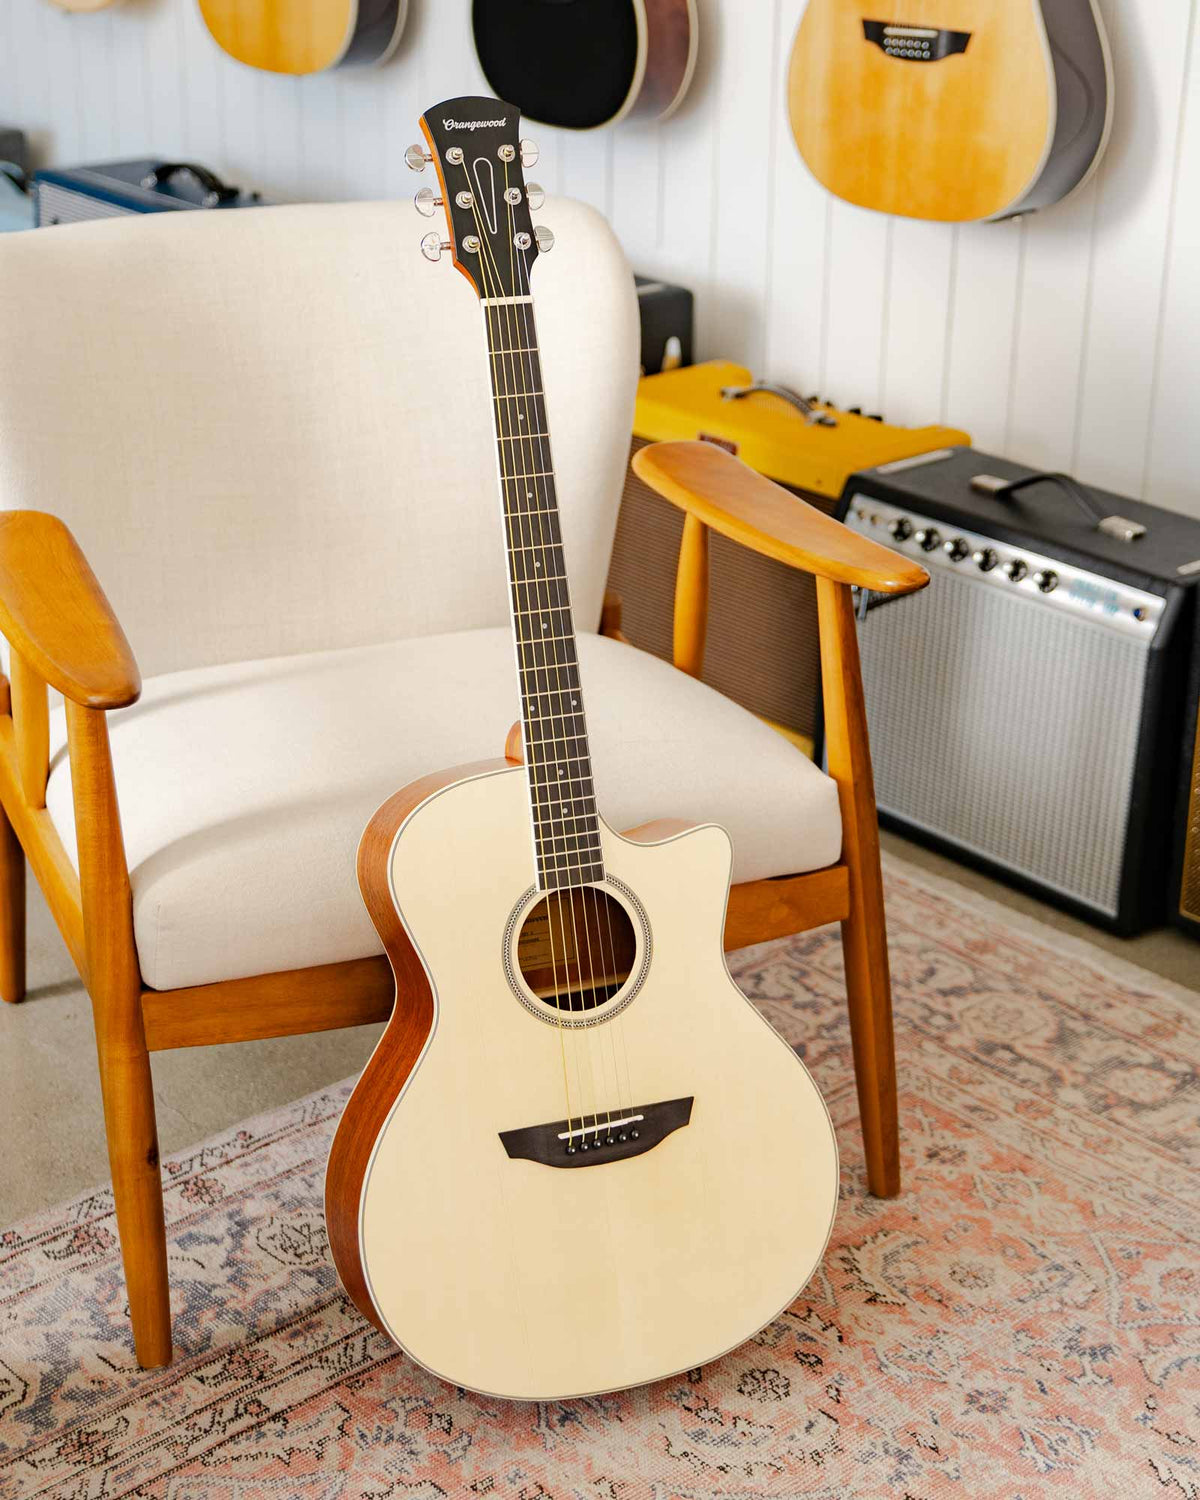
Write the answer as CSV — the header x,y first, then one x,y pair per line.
x,y
450,1226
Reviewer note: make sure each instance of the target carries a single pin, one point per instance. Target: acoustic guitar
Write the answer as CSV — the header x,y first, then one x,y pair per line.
x,y
951,109
587,63
305,36
579,1159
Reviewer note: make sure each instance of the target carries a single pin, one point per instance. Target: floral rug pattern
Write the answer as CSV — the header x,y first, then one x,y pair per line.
x,y
1024,1322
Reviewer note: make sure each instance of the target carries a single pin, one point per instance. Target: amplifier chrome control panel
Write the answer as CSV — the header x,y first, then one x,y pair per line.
x,y
1015,570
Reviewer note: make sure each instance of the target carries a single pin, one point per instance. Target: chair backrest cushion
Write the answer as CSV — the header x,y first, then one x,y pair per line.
x,y
270,429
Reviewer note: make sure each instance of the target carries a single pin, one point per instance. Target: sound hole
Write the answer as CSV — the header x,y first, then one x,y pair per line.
x,y
576,948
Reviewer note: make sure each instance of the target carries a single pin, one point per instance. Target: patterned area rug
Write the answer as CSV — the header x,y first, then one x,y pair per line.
x,y
1023,1322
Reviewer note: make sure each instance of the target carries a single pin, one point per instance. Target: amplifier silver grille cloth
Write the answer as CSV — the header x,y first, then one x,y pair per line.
x,y
59,205
1008,728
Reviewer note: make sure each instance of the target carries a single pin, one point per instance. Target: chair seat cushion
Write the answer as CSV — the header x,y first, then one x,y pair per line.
x,y
244,788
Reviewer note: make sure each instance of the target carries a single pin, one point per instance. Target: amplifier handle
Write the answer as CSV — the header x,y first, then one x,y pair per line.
x,y
811,413
1005,489
216,192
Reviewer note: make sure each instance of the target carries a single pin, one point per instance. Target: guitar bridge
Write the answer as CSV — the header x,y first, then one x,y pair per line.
x,y
589,1140
915,43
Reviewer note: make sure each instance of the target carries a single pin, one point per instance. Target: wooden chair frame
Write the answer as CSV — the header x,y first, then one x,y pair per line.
x,y
63,634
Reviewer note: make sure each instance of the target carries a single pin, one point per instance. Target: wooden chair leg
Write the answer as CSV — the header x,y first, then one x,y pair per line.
x,y
132,1132
869,995
864,934
12,913
115,985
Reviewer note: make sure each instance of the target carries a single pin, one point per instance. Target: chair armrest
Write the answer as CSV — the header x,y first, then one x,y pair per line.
x,y
56,617
726,495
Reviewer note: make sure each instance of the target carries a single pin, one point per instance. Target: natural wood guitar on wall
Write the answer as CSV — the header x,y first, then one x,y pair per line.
x,y
951,109
305,36
579,1159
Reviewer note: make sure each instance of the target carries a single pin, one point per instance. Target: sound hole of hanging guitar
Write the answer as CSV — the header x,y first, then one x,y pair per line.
x,y
575,952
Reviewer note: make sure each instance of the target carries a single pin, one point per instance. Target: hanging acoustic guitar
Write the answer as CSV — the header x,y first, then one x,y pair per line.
x,y
586,63
579,1159
305,36
951,109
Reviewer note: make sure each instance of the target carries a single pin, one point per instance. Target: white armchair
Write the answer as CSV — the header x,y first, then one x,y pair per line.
x,y
269,432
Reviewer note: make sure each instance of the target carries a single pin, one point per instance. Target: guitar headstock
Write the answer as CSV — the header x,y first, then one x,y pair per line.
x,y
480,158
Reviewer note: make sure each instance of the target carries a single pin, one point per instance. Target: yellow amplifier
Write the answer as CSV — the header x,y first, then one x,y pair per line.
x,y
762,634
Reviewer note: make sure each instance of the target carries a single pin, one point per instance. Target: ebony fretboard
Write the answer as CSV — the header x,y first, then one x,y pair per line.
x,y
565,827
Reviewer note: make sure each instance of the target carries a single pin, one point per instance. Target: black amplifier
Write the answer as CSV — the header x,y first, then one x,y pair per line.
x,y
1185,876
1026,709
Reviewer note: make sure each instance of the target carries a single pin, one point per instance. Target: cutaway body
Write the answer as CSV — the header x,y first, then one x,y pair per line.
x,y
710,1181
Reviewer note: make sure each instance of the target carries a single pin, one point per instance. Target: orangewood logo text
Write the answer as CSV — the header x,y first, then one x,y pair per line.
x,y
471,124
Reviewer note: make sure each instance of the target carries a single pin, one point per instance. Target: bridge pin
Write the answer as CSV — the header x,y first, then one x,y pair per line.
x,y
622,1137
570,1150
633,1135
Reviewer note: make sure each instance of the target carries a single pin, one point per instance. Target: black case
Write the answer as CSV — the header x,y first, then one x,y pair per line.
x,y
666,313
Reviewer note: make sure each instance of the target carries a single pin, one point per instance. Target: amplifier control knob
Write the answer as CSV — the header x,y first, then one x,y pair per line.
x,y
902,529
929,538
986,559
957,549
1016,569
1046,580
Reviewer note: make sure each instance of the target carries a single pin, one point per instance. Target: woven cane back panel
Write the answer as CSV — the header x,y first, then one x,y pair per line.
x,y
762,629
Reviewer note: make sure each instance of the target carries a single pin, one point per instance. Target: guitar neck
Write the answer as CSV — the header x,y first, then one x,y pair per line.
x,y
566,829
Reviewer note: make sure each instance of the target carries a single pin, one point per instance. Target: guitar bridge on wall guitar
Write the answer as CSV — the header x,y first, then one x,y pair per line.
x,y
915,43
588,1140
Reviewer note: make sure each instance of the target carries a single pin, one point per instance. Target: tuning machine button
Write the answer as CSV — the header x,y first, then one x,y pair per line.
x,y
529,154
432,245
427,202
535,195
956,549
416,158
1016,570
1046,580
902,529
544,238
985,559
929,538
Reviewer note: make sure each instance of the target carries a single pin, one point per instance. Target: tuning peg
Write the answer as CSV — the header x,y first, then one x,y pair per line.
x,y
433,245
417,158
544,237
535,195
529,154
427,202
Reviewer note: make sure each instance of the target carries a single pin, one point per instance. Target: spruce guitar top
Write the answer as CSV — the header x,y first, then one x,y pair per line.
x,y
579,1159
586,63
951,109
305,36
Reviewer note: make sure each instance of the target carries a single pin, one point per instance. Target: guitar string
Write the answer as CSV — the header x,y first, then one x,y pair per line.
x,y
508,525
525,338
615,1026
536,474
582,1048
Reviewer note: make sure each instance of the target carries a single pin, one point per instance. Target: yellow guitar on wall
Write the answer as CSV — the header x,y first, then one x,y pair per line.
x,y
305,36
951,109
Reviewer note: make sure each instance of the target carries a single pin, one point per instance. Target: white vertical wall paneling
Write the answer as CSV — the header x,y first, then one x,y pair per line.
x,y
1173,455
979,350
918,307
740,176
1131,243
856,280
1070,340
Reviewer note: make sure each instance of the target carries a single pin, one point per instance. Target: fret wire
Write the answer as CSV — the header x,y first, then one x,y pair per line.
x,y
566,828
